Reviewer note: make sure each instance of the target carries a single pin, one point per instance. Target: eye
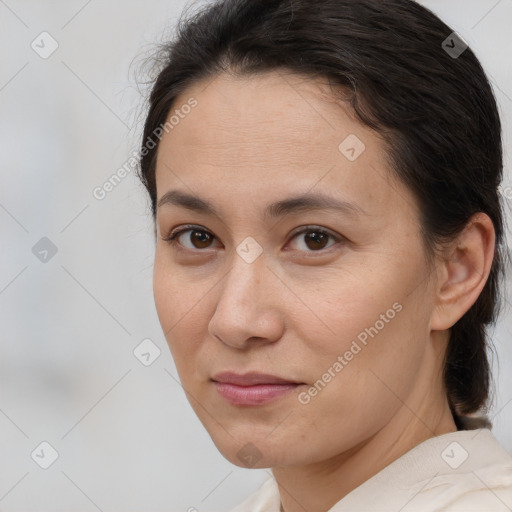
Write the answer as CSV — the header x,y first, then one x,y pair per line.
x,y
197,235
315,238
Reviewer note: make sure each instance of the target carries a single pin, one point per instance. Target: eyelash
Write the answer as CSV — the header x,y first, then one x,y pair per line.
x,y
171,238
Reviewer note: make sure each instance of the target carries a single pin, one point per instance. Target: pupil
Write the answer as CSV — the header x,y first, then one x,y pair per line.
x,y
316,238
201,235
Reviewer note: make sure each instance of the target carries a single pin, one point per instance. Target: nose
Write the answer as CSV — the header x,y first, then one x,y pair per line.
x,y
248,309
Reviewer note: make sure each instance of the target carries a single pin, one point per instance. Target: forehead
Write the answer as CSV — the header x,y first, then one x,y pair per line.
x,y
275,131
236,116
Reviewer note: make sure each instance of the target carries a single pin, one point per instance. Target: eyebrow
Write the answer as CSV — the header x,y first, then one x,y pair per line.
x,y
298,204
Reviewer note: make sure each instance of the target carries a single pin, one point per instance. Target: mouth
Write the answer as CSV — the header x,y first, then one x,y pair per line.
x,y
252,388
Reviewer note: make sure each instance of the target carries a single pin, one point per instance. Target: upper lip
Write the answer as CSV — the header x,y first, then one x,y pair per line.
x,y
250,379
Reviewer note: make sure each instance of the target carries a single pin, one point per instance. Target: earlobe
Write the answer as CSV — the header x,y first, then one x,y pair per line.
x,y
464,271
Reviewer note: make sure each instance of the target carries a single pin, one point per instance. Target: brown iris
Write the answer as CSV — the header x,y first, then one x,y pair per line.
x,y
203,237
318,239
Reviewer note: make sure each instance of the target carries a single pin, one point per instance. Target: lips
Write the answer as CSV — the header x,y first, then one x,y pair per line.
x,y
251,379
253,388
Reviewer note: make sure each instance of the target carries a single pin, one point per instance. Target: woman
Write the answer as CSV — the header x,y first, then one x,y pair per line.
x,y
324,183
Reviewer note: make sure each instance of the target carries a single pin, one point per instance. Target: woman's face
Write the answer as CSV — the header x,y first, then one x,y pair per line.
x,y
336,299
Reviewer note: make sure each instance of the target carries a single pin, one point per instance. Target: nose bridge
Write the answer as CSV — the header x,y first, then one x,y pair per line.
x,y
243,309
243,279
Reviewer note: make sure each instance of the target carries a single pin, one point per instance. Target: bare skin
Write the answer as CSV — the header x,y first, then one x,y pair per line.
x,y
301,303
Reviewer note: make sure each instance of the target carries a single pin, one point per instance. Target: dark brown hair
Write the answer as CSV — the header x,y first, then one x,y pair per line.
x,y
435,110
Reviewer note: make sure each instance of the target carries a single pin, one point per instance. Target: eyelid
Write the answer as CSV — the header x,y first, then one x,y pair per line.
x,y
313,227
185,227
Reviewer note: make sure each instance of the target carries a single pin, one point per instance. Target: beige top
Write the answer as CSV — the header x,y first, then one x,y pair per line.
x,y
463,471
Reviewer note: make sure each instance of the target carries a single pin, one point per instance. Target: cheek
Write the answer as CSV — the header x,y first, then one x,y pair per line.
x,y
344,309
174,294
377,356
375,328
165,294
178,307
359,387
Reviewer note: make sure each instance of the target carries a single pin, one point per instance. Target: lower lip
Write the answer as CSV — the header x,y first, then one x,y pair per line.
x,y
253,395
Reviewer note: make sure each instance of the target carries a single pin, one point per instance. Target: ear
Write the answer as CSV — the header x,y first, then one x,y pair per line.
x,y
463,271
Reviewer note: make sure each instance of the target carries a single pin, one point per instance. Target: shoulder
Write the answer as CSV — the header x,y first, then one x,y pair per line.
x,y
489,500
463,471
475,475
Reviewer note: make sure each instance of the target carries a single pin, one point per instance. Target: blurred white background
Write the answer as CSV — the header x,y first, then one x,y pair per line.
x,y
126,437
